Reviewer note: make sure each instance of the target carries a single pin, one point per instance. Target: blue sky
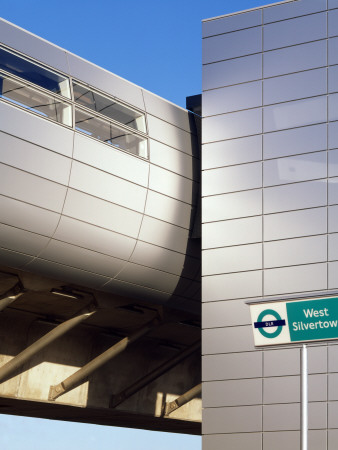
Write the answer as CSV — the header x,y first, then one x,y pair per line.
x,y
157,45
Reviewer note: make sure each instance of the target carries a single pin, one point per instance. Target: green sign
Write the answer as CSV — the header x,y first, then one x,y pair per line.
x,y
313,320
295,321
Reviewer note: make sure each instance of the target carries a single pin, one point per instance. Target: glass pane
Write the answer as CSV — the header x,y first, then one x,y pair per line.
x,y
109,133
27,97
109,107
34,73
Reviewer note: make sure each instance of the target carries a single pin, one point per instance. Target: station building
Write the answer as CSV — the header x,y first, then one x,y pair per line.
x,y
270,218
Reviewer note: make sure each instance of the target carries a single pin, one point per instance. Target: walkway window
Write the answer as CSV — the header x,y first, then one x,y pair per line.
x,y
110,133
34,73
109,107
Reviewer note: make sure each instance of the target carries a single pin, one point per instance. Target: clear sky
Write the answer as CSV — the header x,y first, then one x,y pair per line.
x,y
157,45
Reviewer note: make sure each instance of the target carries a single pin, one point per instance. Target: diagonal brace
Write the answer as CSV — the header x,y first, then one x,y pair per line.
x,y
29,352
144,381
78,377
169,407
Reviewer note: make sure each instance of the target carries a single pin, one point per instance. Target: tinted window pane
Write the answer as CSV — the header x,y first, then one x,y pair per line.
x,y
109,133
108,107
36,101
34,73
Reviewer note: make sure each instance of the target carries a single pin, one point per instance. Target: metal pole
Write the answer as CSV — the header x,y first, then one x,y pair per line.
x,y
144,381
304,398
182,399
25,355
83,373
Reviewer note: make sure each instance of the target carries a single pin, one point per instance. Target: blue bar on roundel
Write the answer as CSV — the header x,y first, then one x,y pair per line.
x,y
269,323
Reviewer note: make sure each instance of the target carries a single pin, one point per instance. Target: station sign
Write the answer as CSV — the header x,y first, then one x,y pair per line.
x,y
294,321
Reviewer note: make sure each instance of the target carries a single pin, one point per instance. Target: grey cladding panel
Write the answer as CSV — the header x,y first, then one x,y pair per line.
x,y
333,135
333,275
297,113
107,187
34,159
232,393
281,362
33,46
232,45
294,59
232,366
157,106
35,129
81,258
233,71
232,419
287,389
333,107
231,286
232,152
233,98
295,168
240,441
171,135
232,232
225,314
332,23
292,142
106,81
227,340
164,234
110,160
230,179
158,258
277,440
148,277
295,224
295,196
14,259
232,23
232,125
168,209
102,213
295,31
281,417
21,241
332,78
232,259
170,184
94,238
295,86
333,219
171,159
307,278
333,50
31,189
333,246
333,190
292,9
230,206
136,291
66,273
29,217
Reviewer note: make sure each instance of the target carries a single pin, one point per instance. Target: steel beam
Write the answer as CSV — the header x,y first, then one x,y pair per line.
x,y
11,295
29,352
78,377
169,407
160,370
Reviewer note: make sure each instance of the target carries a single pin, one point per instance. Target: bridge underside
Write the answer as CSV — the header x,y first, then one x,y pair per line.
x,y
72,353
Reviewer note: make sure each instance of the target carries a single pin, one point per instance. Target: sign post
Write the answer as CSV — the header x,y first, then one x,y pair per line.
x,y
296,321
